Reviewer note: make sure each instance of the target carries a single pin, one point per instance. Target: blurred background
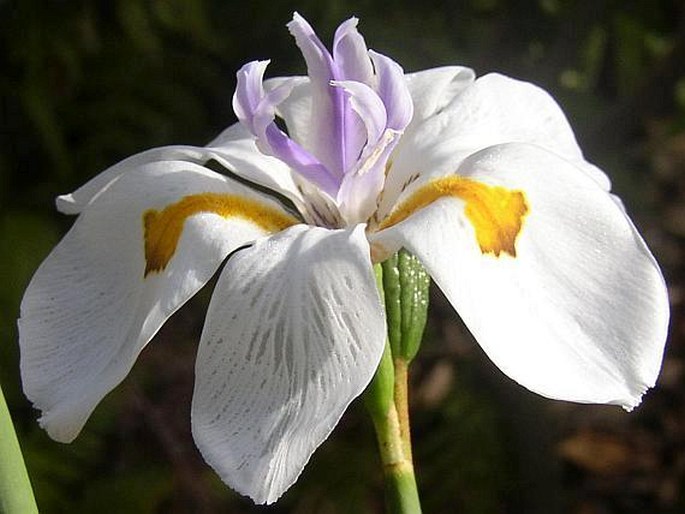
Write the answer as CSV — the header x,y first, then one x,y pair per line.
x,y
86,83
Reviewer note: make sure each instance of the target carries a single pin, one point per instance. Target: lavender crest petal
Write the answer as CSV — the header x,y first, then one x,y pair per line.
x,y
287,150
359,191
295,110
249,91
320,65
393,90
335,132
368,106
257,111
265,112
352,59
350,53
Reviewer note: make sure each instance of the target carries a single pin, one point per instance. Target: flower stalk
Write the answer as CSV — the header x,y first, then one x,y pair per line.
x,y
401,493
16,494
401,390
386,401
403,285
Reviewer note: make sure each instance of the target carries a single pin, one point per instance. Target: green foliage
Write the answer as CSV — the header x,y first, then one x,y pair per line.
x,y
16,493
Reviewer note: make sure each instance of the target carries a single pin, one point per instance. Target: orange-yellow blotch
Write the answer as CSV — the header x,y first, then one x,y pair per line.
x,y
496,213
162,229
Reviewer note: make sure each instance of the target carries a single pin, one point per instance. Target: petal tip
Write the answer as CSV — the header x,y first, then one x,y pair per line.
x,y
630,404
298,23
67,204
60,432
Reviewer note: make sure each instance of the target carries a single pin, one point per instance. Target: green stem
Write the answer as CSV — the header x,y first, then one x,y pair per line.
x,y
16,495
386,401
402,403
401,493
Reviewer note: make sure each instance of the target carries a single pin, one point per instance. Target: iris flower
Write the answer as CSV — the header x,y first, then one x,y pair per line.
x,y
481,179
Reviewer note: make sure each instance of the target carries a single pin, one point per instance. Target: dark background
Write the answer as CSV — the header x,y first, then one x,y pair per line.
x,y
85,84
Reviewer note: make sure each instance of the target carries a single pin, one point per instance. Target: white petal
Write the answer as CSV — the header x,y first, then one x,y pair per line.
x,y
234,148
581,312
294,333
434,89
494,110
73,203
431,91
90,308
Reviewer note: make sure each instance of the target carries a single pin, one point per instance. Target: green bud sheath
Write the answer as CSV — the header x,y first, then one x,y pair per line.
x,y
406,284
393,304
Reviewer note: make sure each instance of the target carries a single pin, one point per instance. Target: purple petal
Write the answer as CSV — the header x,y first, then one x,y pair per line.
x,y
257,110
350,53
359,191
249,91
265,111
299,159
320,65
336,138
368,106
393,90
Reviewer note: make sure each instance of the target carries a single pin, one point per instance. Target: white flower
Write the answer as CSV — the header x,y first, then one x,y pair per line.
x,y
481,179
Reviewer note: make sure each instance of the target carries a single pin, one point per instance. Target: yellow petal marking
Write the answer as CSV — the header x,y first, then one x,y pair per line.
x,y
496,213
162,229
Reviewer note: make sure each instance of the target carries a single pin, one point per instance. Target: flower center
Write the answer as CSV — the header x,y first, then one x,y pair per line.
x,y
359,105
